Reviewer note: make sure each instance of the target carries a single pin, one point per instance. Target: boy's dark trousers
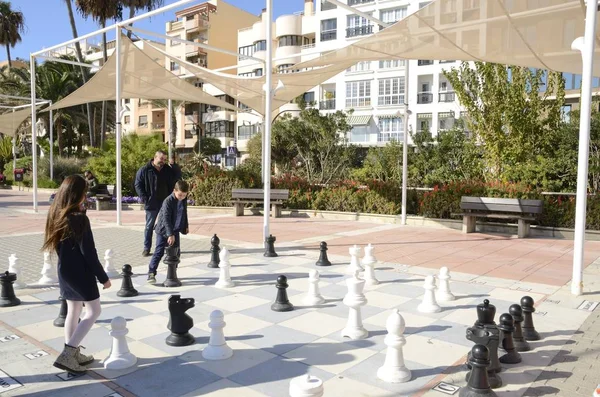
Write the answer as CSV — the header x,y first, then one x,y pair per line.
x,y
159,251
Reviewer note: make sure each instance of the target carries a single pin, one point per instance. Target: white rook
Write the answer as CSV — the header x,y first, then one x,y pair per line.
x,y
13,267
108,264
354,260
313,297
369,262
429,304
393,369
354,300
443,293
120,356
306,386
217,348
49,276
224,273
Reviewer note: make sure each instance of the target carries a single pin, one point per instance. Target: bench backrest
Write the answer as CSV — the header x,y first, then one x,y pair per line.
x,y
102,188
259,194
490,204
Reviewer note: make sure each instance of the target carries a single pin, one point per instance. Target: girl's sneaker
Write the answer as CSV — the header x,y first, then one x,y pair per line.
x,y
67,361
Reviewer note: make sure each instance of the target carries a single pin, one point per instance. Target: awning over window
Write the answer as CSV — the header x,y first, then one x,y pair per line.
x,y
359,120
424,116
390,116
445,115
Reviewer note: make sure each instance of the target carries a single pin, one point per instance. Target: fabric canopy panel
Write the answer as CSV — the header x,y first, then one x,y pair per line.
x,y
142,77
11,121
535,34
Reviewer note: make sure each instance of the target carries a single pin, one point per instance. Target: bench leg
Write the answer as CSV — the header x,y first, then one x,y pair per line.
x,y
276,210
238,209
469,224
102,205
523,228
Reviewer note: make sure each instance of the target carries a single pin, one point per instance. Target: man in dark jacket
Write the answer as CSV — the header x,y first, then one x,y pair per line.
x,y
153,183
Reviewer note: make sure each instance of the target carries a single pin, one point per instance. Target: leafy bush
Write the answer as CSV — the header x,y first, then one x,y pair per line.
x,y
47,183
63,167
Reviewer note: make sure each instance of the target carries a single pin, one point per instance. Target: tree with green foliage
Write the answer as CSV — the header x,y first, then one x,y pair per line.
x,y
508,114
381,163
6,153
12,24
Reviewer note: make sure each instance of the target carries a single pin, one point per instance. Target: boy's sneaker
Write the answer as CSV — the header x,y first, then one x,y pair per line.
x,y
151,278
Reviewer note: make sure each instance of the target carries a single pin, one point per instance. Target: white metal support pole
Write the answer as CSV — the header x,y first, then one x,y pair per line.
x,y
405,142
51,144
118,121
587,54
33,131
14,149
268,112
170,124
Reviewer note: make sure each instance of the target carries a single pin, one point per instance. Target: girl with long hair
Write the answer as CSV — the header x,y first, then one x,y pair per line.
x,y
69,234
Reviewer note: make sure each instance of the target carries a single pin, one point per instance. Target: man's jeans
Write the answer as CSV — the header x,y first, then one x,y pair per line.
x,y
159,251
149,230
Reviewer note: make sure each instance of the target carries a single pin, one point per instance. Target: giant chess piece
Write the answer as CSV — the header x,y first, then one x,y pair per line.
x,y
529,332
49,276
214,252
485,314
323,260
120,356
313,297
479,384
520,343
62,314
306,386
172,261
282,303
7,293
108,264
485,332
127,290
224,275
354,265
354,299
393,369
270,247
507,327
369,262
443,294
217,348
429,304
13,267
180,323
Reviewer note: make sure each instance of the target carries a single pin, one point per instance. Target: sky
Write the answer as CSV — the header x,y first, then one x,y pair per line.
x,y
48,22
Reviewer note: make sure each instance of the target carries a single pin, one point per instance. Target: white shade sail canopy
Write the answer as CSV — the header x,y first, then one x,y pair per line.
x,y
11,121
526,33
142,77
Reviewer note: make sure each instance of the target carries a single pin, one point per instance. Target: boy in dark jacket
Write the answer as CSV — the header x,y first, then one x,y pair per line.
x,y
172,220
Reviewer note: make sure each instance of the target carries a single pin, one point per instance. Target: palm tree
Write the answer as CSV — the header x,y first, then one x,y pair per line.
x,y
138,5
84,71
12,24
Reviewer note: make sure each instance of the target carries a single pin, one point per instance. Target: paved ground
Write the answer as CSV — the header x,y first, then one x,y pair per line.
x,y
498,266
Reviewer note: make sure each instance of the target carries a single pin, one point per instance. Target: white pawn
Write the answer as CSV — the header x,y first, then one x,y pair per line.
x,y
48,272
224,266
108,266
393,369
354,260
217,348
443,294
306,386
429,304
369,262
13,267
120,356
313,297
354,300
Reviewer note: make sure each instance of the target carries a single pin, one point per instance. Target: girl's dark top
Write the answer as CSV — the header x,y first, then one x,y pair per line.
x,y
78,263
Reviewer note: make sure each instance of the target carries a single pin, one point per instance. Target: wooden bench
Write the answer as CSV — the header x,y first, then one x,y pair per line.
x,y
525,211
241,197
103,197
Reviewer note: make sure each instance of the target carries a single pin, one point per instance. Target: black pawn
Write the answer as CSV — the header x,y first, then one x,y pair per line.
x,y
214,252
180,322
172,261
127,289
529,332
62,314
282,304
479,383
520,343
507,326
7,295
323,260
270,246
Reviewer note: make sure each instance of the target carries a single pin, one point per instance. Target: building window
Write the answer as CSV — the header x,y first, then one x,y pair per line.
x,y
258,72
308,97
359,133
566,113
358,26
260,45
175,43
390,129
248,131
285,41
423,122
219,129
188,134
393,15
392,64
248,51
174,66
358,93
391,91
360,67
445,121
355,2
127,119
127,101
248,74
325,5
329,29
283,68
143,121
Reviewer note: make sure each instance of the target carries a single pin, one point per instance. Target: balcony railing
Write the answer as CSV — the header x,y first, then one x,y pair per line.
x,y
328,104
158,126
424,97
359,31
423,62
447,96
328,35
356,2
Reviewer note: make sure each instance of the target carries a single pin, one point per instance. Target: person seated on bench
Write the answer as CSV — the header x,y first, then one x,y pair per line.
x,y
92,183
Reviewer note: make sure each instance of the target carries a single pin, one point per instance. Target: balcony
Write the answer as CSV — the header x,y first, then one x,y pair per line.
x,y
327,104
158,126
359,31
424,97
328,35
357,2
196,22
447,96
175,25
422,62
